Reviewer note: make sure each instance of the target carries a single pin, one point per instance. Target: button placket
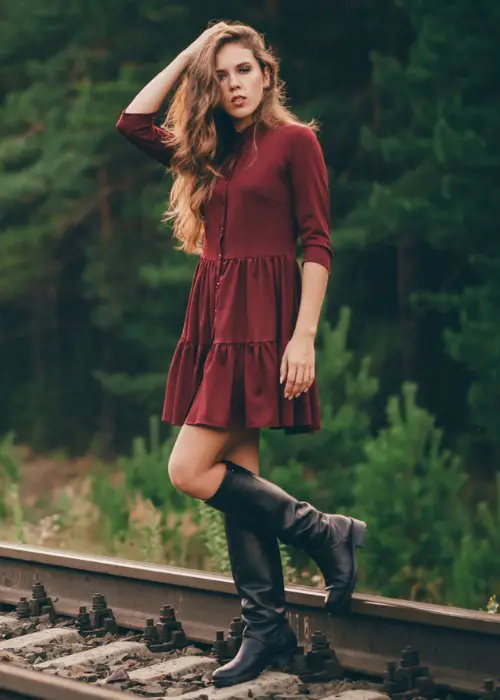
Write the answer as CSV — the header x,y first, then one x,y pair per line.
x,y
218,267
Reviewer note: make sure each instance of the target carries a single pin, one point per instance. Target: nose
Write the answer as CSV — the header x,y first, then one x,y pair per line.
x,y
233,81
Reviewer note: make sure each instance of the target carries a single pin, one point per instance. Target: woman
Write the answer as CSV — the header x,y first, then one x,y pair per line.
x,y
249,179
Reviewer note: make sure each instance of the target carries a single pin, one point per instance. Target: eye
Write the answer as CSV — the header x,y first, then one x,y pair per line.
x,y
245,69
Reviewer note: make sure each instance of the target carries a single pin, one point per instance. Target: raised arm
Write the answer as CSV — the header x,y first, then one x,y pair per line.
x,y
136,122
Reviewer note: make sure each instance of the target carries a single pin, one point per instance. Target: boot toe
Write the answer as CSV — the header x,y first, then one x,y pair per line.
x,y
248,663
253,657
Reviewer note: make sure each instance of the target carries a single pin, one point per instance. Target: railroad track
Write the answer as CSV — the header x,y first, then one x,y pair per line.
x,y
402,649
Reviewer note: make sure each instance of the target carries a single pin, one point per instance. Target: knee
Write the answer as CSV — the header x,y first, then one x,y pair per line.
x,y
178,473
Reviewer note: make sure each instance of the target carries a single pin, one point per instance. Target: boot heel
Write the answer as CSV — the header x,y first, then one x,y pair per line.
x,y
358,533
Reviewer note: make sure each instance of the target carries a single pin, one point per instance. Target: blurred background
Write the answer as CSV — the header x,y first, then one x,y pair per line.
x,y
92,293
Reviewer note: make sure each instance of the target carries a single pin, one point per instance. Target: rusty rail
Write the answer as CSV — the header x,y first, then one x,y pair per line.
x,y
460,647
22,684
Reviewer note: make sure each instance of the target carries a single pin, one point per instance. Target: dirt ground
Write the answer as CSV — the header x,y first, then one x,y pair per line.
x,y
47,477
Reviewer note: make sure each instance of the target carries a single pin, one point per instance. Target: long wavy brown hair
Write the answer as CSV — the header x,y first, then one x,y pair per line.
x,y
202,133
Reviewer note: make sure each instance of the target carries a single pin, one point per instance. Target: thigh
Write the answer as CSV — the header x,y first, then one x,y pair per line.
x,y
197,449
246,452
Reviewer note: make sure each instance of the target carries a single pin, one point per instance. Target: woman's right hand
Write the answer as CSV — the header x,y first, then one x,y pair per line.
x,y
193,48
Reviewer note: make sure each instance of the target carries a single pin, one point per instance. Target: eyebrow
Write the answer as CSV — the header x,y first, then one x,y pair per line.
x,y
243,63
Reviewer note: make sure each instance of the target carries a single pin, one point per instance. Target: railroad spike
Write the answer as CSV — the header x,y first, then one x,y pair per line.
x,y
409,680
219,647
234,637
39,604
168,630
97,622
320,664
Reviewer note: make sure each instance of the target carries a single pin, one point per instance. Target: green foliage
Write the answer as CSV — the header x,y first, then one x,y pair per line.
x,y
214,537
430,207
476,343
143,473
9,472
113,503
425,542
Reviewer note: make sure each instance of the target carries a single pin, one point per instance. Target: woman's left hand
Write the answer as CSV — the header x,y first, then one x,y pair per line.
x,y
297,365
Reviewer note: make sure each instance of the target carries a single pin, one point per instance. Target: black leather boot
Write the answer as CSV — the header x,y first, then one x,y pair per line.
x,y
258,577
330,540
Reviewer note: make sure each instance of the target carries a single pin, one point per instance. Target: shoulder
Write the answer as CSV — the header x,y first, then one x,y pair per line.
x,y
295,139
298,134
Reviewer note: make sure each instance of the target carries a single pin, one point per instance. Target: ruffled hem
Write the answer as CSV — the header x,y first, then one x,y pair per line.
x,y
235,385
225,370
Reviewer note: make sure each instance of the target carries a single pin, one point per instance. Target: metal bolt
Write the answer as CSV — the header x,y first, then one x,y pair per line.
x,y
409,657
38,590
149,631
23,608
98,602
391,670
318,641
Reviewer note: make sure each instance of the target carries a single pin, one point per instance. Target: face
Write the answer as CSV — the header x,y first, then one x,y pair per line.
x,y
241,81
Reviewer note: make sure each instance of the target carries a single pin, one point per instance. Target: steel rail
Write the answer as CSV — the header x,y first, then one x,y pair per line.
x,y
461,647
25,684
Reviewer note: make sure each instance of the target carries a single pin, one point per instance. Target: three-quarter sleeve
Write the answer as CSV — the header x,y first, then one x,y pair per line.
x,y
310,196
140,130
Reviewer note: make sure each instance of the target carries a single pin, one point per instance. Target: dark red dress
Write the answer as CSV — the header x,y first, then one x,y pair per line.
x,y
246,288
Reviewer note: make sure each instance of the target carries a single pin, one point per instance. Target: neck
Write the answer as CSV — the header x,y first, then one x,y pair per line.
x,y
242,124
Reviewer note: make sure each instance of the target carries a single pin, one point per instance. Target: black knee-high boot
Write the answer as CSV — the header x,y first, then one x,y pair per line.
x,y
258,576
330,540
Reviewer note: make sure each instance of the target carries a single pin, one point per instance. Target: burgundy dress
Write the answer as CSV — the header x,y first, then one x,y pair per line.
x,y
246,288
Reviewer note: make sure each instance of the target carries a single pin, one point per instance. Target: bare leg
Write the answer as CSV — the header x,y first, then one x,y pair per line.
x,y
195,465
246,453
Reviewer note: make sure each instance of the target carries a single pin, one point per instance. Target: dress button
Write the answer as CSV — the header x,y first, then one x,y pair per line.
x,y
219,256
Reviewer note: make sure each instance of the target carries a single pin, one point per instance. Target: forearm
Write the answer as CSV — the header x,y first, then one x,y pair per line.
x,y
150,98
314,283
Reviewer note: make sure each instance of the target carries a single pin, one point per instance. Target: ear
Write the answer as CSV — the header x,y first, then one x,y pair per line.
x,y
267,77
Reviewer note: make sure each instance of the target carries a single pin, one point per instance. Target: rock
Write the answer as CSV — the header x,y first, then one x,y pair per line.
x,y
192,651
171,692
153,691
88,678
118,675
358,695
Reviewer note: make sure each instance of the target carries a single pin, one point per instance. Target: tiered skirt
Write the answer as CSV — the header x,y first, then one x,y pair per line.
x,y
225,370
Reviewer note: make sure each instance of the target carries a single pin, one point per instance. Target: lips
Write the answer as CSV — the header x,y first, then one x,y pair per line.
x,y
238,100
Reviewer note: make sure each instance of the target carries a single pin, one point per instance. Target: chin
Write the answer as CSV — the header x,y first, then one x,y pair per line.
x,y
239,114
